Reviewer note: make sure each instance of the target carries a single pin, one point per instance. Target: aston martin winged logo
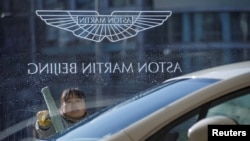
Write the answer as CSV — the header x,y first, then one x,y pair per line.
x,y
90,25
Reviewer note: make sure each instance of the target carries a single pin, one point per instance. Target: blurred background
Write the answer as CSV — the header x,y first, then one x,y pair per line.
x,y
199,34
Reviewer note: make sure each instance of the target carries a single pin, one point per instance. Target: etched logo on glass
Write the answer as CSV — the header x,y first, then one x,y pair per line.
x,y
92,26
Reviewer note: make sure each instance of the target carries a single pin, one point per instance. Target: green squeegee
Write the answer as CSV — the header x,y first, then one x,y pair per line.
x,y
53,111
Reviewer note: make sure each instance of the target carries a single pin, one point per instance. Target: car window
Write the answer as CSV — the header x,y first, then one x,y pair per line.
x,y
235,105
181,129
176,131
237,108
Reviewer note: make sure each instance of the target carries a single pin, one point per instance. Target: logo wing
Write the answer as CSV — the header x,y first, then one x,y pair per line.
x,y
68,20
142,20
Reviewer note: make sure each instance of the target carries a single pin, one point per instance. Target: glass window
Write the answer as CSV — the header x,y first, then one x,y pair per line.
x,y
174,29
237,108
240,22
121,3
235,105
55,49
171,32
84,4
211,26
14,6
178,132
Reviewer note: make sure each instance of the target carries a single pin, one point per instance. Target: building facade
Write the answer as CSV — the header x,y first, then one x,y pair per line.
x,y
199,34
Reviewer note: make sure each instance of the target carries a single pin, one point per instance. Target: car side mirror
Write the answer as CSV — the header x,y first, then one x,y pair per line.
x,y
199,131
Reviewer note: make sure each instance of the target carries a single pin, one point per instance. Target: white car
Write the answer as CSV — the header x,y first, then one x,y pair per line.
x,y
168,111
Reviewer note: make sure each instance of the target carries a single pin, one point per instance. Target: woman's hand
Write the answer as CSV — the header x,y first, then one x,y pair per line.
x,y
43,118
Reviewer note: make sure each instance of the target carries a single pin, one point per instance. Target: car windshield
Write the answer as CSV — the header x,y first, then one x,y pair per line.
x,y
133,109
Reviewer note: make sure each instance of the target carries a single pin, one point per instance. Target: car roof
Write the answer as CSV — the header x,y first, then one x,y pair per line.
x,y
238,73
220,72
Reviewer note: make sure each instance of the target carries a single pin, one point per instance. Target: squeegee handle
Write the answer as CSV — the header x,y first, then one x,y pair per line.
x,y
53,111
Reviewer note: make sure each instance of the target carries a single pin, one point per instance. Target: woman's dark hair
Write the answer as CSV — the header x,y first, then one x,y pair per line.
x,y
71,92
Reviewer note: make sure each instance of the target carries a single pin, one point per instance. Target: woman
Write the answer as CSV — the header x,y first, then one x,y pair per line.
x,y
72,110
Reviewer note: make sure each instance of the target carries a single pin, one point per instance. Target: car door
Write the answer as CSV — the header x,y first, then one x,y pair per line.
x,y
234,105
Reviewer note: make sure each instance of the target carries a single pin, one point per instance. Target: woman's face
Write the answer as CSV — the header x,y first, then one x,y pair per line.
x,y
74,107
